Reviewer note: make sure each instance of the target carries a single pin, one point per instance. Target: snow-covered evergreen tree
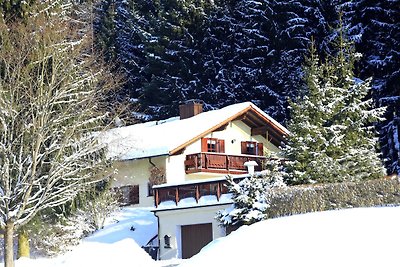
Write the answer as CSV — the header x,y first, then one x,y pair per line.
x,y
376,24
251,196
333,137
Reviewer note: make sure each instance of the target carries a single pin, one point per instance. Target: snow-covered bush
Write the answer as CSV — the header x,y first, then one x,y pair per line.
x,y
53,234
321,197
50,236
252,196
96,211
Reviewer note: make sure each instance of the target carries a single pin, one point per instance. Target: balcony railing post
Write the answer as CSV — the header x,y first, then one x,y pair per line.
x,y
197,194
157,198
176,195
196,162
218,191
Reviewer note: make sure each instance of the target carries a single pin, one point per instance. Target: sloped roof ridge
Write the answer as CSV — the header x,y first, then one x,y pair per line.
x,y
169,136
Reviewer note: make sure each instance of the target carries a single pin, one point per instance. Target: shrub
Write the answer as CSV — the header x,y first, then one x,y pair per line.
x,y
321,197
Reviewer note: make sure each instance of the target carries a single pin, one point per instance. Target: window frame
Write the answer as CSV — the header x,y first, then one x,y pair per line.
x,y
206,145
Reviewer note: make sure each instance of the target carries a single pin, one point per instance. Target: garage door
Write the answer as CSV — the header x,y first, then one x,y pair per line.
x,y
194,238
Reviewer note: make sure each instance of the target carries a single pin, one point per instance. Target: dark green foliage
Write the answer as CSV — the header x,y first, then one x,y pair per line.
x,y
332,138
303,199
16,9
376,24
221,52
224,52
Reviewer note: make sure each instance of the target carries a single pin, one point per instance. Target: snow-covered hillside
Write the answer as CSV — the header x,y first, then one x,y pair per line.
x,y
118,244
354,237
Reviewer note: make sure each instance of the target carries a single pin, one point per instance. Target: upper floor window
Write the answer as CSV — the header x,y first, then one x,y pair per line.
x,y
252,148
212,145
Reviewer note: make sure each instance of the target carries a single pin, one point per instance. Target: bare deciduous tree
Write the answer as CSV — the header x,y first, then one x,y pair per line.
x,y
50,92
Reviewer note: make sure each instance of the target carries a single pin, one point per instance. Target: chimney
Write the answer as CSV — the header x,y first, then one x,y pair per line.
x,y
190,108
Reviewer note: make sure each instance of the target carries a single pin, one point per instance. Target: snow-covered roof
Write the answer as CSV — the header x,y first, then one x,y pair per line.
x,y
166,137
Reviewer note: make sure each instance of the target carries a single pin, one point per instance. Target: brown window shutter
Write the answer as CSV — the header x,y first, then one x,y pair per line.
x,y
244,147
260,149
204,145
221,146
134,194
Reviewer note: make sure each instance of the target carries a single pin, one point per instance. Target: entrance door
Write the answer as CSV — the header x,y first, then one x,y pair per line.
x,y
194,238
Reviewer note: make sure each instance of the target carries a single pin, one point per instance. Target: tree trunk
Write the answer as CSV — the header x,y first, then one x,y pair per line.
x,y
23,244
9,245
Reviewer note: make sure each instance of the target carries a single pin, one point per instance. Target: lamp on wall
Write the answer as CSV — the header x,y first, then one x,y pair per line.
x,y
233,141
167,241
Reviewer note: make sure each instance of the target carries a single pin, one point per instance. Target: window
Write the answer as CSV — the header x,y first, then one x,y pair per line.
x,y
252,148
157,176
128,194
150,191
212,145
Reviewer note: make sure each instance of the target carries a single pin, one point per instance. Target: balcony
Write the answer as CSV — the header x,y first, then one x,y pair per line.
x,y
193,192
220,163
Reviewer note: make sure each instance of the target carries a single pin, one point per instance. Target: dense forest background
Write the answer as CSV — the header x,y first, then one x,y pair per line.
x,y
229,51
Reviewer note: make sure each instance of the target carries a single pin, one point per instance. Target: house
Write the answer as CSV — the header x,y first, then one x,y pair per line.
x,y
179,165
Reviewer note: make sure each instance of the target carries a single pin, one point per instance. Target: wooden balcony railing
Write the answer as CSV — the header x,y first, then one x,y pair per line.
x,y
220,163
175,193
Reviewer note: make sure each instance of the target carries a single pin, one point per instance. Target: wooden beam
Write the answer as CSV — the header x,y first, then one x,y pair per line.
x,y
223,127
268,131
259,130
218,190
176,195
197,193
157,199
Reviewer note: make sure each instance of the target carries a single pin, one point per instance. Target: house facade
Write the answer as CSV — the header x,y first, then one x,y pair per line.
x,y
178,166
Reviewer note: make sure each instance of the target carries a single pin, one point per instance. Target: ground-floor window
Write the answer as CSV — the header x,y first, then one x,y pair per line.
x,y
128,194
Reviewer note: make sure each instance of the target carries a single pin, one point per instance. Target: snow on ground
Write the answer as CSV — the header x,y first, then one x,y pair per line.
x,y
354,237
118,227
115,245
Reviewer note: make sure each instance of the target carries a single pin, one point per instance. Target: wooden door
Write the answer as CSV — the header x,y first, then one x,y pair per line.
x,y
194,238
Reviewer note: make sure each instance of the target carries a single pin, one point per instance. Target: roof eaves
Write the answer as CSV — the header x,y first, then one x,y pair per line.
x,y
175,150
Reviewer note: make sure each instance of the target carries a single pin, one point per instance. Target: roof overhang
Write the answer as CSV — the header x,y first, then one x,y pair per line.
x,y
259,123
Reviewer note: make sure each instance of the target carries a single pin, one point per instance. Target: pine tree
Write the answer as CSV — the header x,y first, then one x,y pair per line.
x,y
376,24
333,136
252,196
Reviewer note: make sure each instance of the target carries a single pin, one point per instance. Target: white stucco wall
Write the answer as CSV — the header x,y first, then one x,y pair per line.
x,y
137,172
236,132
170,222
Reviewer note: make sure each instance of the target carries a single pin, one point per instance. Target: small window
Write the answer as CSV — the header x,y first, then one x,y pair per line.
x,y
150,191
212,145
252,148
128,195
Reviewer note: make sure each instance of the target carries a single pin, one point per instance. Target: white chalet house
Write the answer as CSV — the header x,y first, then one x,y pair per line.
x,y
179,165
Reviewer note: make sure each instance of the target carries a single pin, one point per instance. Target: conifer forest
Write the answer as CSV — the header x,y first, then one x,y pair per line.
x,y
228,51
